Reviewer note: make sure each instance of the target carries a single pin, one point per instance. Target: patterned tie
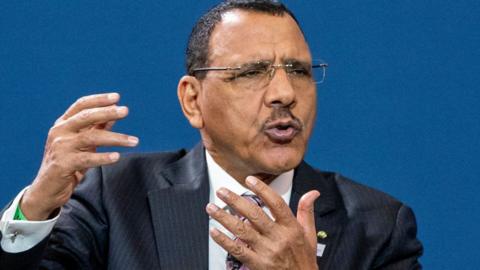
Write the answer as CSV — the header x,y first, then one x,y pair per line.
x,y
232,263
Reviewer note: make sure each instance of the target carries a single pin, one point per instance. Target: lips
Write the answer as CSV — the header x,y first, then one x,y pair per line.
x,y
282,131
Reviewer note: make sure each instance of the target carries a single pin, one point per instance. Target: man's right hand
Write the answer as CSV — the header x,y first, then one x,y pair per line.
x,y
71,149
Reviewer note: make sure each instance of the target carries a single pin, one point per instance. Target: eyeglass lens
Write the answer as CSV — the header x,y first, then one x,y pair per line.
x,y
258,75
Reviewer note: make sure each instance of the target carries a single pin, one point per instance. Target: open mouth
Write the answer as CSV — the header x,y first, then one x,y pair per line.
x,y
282,131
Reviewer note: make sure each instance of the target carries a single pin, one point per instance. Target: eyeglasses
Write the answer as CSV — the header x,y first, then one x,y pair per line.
x,y
257,75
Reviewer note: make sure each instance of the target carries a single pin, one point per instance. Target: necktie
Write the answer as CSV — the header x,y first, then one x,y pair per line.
x,y
232,263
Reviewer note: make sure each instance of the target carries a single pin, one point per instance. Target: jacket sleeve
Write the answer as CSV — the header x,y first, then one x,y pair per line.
x,y
403,248
78,239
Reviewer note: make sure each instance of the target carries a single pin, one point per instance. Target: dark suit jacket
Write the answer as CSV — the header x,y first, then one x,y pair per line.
x,y
148,212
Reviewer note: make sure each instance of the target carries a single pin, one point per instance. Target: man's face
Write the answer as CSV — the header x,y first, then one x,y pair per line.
x,y
263,131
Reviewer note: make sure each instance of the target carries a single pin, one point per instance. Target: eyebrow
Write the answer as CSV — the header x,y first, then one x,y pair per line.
x,y
295,61
284,61
258,63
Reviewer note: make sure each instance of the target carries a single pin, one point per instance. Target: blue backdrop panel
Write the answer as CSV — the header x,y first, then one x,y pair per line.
x,y
399,109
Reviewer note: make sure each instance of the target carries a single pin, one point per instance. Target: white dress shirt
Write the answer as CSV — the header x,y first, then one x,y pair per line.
x,y
21,235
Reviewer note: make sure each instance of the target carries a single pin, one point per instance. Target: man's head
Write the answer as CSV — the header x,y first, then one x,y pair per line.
x,y
198,44
252,123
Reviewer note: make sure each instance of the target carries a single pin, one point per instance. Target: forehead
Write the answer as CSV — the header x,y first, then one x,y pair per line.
x,y
245,36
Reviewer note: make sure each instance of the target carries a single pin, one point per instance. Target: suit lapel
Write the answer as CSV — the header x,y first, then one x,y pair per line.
x,y
182,242
330,215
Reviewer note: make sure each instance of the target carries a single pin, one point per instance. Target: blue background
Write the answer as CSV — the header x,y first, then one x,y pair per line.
x,y
399,110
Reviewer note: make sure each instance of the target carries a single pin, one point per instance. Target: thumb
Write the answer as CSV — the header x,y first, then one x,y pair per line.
x,y
306,217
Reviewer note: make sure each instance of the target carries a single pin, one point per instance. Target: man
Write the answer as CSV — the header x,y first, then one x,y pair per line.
x,y
242,199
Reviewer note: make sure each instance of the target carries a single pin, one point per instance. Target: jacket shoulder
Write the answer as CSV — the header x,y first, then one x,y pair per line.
x,y
361,198
147,160
385,221
141,169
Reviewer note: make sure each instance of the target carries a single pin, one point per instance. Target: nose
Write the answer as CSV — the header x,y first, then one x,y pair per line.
x,y
280,91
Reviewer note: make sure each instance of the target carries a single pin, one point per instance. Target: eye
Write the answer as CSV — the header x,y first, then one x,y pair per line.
x,y
298,70
250,73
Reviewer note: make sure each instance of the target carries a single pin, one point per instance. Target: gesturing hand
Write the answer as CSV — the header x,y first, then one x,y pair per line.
x,y
71,149
283,243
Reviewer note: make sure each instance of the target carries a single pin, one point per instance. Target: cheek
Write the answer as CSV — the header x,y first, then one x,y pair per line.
x,y
230,114
307,108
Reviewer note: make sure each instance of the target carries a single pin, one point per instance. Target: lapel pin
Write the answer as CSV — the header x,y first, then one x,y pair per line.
x,y
322,234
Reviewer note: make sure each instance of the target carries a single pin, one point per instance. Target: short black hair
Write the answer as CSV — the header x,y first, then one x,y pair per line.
x,y
198,50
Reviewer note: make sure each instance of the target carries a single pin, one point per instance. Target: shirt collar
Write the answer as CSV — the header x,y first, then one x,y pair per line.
x,y
218,178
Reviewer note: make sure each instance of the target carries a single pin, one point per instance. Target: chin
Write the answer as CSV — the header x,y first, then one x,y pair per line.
x,y
278,161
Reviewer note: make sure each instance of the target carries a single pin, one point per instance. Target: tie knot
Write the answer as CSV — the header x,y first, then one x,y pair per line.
x,y
253,198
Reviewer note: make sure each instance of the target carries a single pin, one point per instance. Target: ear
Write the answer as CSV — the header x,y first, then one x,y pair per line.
x,y
188,92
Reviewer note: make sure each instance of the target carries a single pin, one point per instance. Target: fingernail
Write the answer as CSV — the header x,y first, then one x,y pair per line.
x,y
113,96
212,208
222,192
251,181
214,232
122,110
114,156
132,140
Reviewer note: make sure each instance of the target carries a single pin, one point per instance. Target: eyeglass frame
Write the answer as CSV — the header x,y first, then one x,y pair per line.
x,y
272,68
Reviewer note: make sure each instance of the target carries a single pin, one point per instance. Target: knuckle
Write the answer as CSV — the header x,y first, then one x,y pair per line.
x,y
83,161
261,188
105,159
56,165
220,238
278,203
57,142
238,250
59,124
255,213
80,101
233,200
240,229
307,209
99,160
112,110
58,121
85,115
268,226
219,214
52,132
86,138
109,112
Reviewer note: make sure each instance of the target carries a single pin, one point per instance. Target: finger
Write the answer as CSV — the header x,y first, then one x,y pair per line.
x,y
94,116
108,126
277,206
105,126
235,225
306,217
86,160
98,137
79,176
236,248
248,209
92,101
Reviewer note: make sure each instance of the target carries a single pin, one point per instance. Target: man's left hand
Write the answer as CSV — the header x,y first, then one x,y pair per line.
x,y
286,242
